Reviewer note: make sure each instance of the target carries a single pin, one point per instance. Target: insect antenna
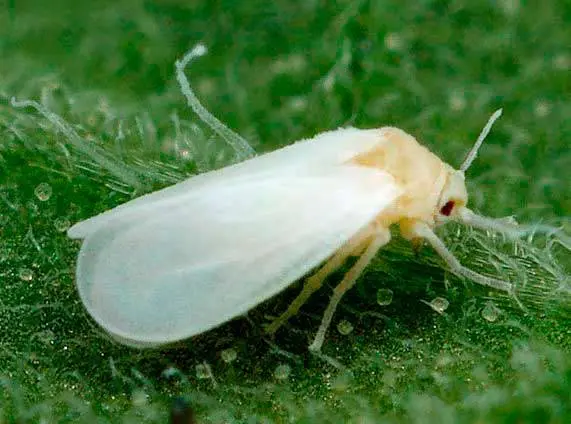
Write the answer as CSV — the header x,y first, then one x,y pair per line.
x,y
509,227
485,131
240,145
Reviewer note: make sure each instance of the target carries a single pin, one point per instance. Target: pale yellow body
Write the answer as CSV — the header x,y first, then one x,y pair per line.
x,y
426,184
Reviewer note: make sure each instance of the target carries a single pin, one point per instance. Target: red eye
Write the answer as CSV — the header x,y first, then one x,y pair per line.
x,y
447,208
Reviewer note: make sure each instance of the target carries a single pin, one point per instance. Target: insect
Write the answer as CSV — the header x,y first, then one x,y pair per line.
x,y
178,262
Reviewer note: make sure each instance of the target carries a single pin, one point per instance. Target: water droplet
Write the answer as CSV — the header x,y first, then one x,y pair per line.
x,y
542,108
297,104
562,62
490,312
439,304
26,274
384,297
43,192
510,7
171,373
282,372
394,42
290,64
228,355
203,371
457,101
185,154
139,398
61,224
344,327
47,337
342,382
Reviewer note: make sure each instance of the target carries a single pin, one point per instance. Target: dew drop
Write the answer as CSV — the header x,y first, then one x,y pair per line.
x,y
510,7
139,398
171,373
457,101
394,42
47,337
43,192
61,224
203,371
342,383
490,312
26,274
229,355
344,327
282,372
384,297
542,108
439,304
297,104
185,154
562,62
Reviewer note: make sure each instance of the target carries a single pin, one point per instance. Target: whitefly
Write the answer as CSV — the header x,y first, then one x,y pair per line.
x,y
183,260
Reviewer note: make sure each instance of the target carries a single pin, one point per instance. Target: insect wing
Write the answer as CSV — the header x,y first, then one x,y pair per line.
x,y
328,148
216,253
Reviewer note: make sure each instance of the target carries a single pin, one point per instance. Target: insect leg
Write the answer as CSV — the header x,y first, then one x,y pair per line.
x,y
422,230
381,237
315,281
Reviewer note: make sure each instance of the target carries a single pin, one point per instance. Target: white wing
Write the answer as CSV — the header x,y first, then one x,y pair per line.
x,y
328,148
202,258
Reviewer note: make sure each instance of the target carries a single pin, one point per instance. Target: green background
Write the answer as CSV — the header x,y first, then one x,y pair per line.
x,y
277,72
